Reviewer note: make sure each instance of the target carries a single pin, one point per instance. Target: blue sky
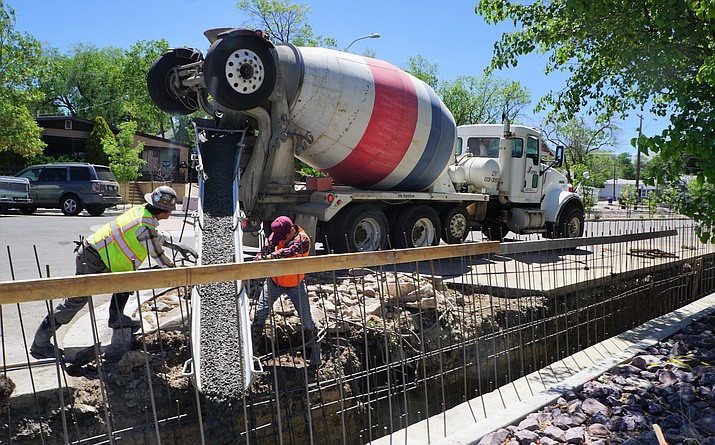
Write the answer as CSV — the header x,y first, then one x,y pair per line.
x,y
446,32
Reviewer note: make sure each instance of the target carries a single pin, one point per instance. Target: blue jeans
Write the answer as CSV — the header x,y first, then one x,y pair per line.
x,y
298,295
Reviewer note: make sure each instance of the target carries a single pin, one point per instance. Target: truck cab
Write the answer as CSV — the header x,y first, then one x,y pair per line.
x,y
527,194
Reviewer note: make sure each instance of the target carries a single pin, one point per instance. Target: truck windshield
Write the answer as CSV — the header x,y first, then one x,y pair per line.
x,y
484,147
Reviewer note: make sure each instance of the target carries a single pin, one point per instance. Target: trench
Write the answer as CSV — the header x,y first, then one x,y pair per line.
x,y
376,381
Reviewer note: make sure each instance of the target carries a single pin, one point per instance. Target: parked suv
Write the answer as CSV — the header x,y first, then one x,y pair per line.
x,y
71,187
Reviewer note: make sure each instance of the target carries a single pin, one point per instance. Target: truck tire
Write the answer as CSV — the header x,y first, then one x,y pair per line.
x,y
70,205
28,210
162,82
455,225
571,223
358,228
416,226
239,71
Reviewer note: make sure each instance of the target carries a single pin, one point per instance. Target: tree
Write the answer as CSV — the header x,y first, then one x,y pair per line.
x,y
94,144
579,139
483,99
123,153
284,21
137,106
471,99
422,69
622,56
86,83
21,63
625,166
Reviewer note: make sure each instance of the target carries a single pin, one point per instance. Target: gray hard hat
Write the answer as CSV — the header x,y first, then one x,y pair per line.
x,y
163,197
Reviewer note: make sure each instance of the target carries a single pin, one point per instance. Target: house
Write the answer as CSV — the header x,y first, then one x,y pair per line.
x,y
165,160
614,188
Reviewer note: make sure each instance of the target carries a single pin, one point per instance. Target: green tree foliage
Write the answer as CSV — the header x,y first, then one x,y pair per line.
x,y
651,202
483,99
86,83
137,106
471,99
422,69
109,82
124,153
284,21
622,56
625,166
94,144
699,203
580,140
21,62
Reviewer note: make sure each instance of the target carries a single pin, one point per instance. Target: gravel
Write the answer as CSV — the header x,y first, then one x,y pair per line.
x,y
672,384
221,340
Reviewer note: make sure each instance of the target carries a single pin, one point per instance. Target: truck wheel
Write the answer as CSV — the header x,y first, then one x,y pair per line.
x,y
240,72
416,226
359,228
164,85
571,223
455,225
28,210
70,205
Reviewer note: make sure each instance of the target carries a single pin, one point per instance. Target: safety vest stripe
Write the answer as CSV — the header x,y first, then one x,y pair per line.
x,y
115,236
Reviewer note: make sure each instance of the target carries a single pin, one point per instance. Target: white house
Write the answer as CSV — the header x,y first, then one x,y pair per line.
x,y
614,189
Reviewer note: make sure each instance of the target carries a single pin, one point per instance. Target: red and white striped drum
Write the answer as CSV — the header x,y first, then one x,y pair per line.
x,y
374,125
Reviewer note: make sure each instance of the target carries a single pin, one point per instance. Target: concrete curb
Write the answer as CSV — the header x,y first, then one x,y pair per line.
x,y
511,403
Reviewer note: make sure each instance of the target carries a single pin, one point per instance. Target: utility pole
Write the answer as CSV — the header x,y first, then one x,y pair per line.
x,y
638,158
614,179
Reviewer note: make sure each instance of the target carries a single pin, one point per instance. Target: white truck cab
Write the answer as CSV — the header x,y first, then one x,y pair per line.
x,y
527,194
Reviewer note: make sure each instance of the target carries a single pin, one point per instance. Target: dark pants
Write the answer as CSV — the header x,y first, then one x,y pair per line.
x,y
87,262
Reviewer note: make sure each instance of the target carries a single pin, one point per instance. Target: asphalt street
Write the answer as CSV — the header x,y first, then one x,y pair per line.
x,y
33,244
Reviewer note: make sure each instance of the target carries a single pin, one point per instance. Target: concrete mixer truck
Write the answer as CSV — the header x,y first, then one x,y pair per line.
x,y
403,175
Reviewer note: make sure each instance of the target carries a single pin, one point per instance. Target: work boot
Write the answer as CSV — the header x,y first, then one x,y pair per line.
x,y
122,321
41,345
117,320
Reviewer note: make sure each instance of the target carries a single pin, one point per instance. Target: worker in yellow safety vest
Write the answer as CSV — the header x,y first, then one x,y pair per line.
x,y
287,240
119,246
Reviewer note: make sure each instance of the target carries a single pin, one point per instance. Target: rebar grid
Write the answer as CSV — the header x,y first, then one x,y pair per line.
x,y
400,344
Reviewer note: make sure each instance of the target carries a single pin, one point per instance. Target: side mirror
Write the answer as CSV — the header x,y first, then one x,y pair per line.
x,y
559,157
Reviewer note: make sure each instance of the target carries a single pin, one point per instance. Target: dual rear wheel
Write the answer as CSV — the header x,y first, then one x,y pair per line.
x,y
366,228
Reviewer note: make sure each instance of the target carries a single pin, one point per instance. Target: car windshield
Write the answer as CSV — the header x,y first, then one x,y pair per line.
x,y
105,174
31,174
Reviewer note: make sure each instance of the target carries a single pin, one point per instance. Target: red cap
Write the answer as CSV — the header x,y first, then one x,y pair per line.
x,y
280,227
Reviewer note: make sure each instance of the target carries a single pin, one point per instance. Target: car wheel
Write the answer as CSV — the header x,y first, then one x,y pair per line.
x,y
70,205
95,210
28,210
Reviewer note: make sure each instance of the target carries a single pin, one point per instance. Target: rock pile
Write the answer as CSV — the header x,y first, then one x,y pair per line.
x,y
369,296
672,384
